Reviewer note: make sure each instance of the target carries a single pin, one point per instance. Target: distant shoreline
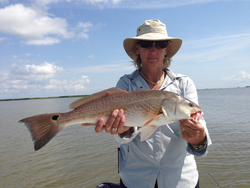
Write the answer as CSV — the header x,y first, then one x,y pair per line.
x,y
34,98
73,96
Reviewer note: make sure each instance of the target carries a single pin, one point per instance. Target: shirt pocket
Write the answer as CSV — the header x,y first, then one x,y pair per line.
x,y
123,156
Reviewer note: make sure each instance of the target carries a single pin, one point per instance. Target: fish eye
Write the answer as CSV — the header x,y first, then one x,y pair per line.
x,y
191,105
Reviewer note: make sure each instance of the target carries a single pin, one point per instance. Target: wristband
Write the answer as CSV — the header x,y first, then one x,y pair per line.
x,y
200,146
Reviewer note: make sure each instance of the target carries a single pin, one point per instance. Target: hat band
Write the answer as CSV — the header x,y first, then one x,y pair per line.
x,y
151,30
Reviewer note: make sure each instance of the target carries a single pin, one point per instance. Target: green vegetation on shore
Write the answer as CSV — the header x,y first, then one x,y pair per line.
x,y
43,98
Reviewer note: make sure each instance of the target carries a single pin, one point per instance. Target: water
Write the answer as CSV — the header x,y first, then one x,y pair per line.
x,y
78,157
227,114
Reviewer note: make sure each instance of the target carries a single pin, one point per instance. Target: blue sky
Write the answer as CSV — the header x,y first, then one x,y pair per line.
x,y
73,47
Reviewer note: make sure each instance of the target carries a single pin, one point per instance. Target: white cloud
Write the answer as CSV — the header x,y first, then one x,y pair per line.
x,y
161,4
43,41
39,80
102,1
111,68
72,85
83,28
143,4
214,48
91,56
99,3
4,1
2,39
33,24
134,4
35,72
20,59
241,76
45,2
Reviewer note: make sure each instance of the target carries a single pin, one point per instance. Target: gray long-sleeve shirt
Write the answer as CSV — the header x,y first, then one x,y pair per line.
x,y
165,156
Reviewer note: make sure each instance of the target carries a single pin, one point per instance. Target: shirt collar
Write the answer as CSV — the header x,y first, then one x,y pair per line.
x,y
142,84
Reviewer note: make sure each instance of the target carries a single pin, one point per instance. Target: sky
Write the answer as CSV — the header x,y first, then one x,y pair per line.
x,y
75,47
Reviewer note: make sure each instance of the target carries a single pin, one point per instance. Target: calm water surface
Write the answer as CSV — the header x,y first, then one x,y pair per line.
x,y
78,157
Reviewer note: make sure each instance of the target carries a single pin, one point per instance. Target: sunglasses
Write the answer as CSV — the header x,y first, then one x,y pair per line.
x,y
149,44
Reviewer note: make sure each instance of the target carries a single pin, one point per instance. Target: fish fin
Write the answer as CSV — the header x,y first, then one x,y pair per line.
x,y
152,120
95,96
87,124
164,112
147,131
42,128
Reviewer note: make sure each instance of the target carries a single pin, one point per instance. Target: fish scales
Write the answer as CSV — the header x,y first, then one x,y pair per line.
x,y
130,103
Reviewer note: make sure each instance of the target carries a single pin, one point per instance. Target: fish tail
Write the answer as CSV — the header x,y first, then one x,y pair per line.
x,y
42,128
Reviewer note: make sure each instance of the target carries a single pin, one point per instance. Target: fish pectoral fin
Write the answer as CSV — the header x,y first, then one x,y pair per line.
x,y
147,131
87,124
154,118
95,96
164,112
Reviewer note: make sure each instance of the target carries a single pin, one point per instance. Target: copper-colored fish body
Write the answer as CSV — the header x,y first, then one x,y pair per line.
x,y
148,108
139,107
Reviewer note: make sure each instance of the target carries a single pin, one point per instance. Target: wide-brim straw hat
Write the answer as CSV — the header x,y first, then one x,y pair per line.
x,y
153,30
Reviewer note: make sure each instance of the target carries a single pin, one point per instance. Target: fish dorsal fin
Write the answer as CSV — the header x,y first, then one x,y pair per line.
x,y
95,96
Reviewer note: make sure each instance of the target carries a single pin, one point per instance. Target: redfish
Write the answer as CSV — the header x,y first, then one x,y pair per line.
x,y
144,108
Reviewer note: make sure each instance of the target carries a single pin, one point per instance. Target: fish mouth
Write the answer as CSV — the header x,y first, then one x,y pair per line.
x,y
196,116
